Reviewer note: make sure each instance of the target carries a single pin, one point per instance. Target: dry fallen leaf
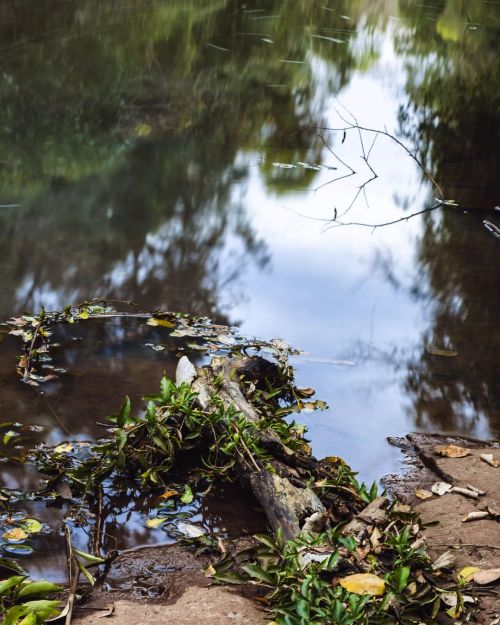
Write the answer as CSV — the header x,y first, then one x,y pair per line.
x,y
363,584
64,448
487,576
451,451
168,493
444,561
467,573
489,459
475,515
209,571
15,535
440,488
422,493
465,492
402,508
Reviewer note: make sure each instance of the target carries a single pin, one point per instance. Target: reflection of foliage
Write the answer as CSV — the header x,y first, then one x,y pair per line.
x,y
453,118
453,82
155,226
123,123
456,392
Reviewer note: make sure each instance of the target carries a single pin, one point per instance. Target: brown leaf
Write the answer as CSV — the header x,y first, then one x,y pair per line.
x,y
489,459
423,494
451,451
487,576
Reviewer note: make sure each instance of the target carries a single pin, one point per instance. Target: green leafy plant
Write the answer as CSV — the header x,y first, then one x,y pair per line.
x,y
24,602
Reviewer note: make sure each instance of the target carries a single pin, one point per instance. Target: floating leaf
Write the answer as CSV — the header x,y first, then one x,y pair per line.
x,y
18,549
168,493
153,321
31,526
451,451
423,494
486,576
15,535
444,353
156,522
8,436
187,494
64,448
363,584
84,314
467,573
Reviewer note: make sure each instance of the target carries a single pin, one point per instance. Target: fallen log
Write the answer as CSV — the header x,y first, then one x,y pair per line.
x,y
282,485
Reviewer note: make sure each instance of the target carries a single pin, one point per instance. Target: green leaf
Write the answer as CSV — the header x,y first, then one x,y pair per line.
x,y
401,575
230,578
42,606
166,388
90,578
7,584
123,417
34,588
187,495
14,614
256,571
89,557
32,526
266,540
29,619
84,314
151,412
302,608
8,436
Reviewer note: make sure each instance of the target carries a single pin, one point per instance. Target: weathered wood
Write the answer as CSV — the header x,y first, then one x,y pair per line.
x,y
288,502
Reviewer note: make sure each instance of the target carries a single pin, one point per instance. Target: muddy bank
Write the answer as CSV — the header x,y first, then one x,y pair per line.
x,y
471,543
168,584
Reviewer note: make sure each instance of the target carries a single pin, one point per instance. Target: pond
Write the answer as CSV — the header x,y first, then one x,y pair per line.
x,y
181,155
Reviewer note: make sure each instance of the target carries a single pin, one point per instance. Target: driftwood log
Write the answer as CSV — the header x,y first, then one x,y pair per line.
x,y
282,486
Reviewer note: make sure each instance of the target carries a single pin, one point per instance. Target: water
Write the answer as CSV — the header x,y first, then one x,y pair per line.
x,y
170,153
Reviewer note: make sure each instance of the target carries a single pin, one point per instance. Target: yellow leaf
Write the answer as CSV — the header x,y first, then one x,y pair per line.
x,y
423,494
160,322
467,573
363,584
209,571
155,522
169,493
15,535
451,451
63,448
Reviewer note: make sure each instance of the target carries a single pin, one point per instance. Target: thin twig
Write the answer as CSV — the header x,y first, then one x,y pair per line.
x,y
58,420
335,223
386,133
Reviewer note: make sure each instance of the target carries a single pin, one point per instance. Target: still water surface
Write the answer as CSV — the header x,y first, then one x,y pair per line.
x,y
170,153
